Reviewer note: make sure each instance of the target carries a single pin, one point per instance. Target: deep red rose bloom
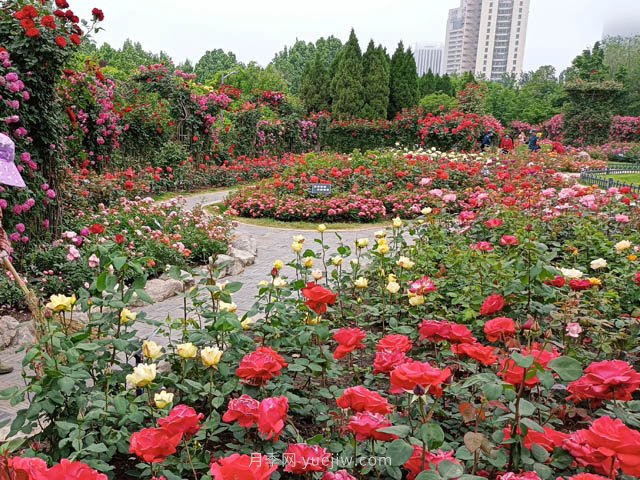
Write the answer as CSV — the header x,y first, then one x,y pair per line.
x,y
420,375
96,229
119,239
421,461
365,426
97,14
318,297
182,419
513,374
493,304
62,4
339,475
606,380
243,410
49,22
67,470
493,223
129,185
61,41
608,445
559,281
587,476
349,339
361,399
499,328
509,241
75,38
485,355
436,331
272,413
27,468
394,343
258,367
153,445
33,33
577,285
386,361
302,458
236,466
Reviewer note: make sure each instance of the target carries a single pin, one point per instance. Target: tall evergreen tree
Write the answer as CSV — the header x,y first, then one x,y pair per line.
x,y
376,70
427,84
403,81
346,86
314,86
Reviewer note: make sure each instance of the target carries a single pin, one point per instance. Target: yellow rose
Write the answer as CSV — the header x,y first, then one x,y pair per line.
x,y
416,300
163,399
279,282
406,263
278,264
61,303
127,316
298,239
247,323
361,282
596,282
383,249
380,234
426,210
381,240
322,228
337,261
307,262
598,263
296,247
622,245
227,307
397,222
151,350
187,350
362,242
313,320
211,356
632,258
142,375
392,278
393,287
316,274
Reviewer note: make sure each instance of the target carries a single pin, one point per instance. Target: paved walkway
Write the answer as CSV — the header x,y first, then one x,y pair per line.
x,y
273,244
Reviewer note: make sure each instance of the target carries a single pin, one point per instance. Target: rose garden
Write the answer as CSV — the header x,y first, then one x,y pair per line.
x,y
416,309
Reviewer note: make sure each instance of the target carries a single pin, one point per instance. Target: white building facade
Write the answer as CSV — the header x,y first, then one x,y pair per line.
x,y
428,56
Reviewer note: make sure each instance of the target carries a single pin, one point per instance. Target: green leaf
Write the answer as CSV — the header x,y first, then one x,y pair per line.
x,y
539,453
399,452
526,408
399,430
429,475
97,448
568,368
118,262
65,384
492,391
448,469
432,434
521,360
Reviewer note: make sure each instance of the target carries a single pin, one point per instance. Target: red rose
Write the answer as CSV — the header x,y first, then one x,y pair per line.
x,y
250,467
422,286
62,4
559,281
499,328
606,380
436,331
49,22
272,413
608,445
129,185
421,376
485,355
587,476
318,297
421,461
61,41
153,445
519,476
25,468
244,410
513,374
96,229
386,361
302,458
33,33
493,223
119,239
75,38
394,343
365,426
97,14
339,475
638,279
578,285
509,241
349,339
183,420
548,440
361,399
493,304
258,367
67,470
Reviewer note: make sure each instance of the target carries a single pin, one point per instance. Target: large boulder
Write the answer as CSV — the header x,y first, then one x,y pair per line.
x,y
160,289
8,330
246,243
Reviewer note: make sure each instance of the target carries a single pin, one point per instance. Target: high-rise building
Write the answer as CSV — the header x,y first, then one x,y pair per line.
x,y
428,56
487,37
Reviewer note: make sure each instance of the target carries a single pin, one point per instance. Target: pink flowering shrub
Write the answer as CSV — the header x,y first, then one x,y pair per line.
x,y
625,129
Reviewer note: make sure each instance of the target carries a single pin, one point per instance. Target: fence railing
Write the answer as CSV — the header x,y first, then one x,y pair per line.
x,y
601,177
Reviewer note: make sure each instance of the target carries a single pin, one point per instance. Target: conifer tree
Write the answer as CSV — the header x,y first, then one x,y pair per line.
x,y
346,85
314,86
376,82
403,81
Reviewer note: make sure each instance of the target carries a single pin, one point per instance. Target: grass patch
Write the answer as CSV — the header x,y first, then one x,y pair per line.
x,y
630,178
271,223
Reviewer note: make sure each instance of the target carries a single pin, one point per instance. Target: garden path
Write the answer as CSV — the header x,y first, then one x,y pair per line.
x,y
273,244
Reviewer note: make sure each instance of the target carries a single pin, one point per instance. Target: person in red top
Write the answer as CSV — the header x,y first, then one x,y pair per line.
x,y
558,148
506,144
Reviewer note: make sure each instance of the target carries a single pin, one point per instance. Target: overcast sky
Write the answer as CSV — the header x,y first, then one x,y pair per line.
x,y
255,30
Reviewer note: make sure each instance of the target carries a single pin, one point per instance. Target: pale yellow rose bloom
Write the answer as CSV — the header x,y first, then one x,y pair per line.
x,y
211,356
187,350
151,350
142,375
163,399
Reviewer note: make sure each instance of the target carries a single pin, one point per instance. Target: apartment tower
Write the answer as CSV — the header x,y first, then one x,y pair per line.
x,y
486,37
428,56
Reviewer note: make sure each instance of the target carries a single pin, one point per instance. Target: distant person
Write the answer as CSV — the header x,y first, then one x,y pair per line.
x,y
522,138
506,144
534,142
486,141
558,148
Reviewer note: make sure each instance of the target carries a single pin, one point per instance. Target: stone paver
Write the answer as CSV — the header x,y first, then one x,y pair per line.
x,y
273,244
